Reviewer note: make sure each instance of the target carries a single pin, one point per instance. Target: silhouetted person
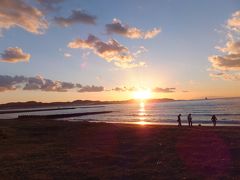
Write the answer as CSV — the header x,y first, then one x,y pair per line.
x,y
214,120
189,120
179,120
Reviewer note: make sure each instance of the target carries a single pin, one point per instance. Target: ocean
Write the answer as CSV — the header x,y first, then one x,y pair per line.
x,y
226,110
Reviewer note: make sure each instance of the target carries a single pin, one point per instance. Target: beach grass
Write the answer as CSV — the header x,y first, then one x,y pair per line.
x,y
50,149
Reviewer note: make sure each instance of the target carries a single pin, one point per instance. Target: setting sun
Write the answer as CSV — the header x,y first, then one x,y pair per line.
x,y
142,94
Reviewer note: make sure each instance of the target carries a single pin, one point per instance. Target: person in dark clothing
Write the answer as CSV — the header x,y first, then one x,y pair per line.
x,y
189,120
179,120
214,120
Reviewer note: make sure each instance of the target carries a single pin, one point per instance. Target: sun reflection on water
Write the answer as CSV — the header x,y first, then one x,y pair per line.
x,y
142,114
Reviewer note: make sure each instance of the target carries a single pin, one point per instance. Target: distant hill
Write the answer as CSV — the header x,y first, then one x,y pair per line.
x,y
34,104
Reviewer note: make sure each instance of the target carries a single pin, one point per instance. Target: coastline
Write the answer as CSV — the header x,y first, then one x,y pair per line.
x,y
146,123
49,149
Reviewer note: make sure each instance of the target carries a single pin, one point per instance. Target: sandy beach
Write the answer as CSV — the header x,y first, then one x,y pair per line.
x,y
50,149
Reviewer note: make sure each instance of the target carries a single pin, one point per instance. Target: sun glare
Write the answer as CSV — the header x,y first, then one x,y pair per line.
x,y
141,123
142,94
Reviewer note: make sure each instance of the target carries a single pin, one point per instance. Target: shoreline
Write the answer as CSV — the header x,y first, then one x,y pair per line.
x,y
146,123
58,117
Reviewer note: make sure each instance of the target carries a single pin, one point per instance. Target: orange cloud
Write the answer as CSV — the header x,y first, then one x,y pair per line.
x,y
13,55
232,47
111,51
152,33
227,66
227,62
17,13
234,21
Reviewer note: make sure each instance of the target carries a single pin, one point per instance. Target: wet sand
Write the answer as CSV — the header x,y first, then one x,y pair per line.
x,y
49,149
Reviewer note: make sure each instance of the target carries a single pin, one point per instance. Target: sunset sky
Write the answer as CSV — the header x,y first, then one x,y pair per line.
x,y
63,50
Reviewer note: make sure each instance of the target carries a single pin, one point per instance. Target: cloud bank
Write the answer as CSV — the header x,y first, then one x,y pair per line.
x,y
39,83
14,55
117,27
10,83
17,13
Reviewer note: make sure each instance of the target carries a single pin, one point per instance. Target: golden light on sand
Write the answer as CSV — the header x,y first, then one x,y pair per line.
x,y
142,94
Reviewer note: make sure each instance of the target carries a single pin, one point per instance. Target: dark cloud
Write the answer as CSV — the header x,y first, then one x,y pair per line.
x,y
77,16
13,55
116,27
109,51
17,13
91,89
164,90
78,85
67,85
10,83
34,83
39,83
50,85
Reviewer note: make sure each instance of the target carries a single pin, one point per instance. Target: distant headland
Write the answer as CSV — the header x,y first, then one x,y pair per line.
x,y
35,104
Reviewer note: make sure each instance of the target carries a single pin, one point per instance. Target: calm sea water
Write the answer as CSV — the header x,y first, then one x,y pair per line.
x,y
226,110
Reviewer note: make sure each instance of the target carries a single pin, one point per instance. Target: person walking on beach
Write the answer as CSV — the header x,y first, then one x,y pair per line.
x,y
189,120
214,120
179,120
